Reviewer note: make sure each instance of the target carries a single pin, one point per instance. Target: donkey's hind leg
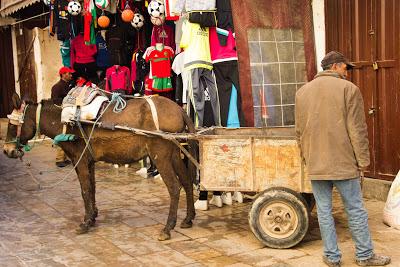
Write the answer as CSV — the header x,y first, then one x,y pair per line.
x,y
186,182
163,162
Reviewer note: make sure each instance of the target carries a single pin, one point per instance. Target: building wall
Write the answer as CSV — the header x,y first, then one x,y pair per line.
x,y
318,9
48,62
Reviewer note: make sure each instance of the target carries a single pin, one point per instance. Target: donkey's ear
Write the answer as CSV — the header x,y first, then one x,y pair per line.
x,y
16,101
27,99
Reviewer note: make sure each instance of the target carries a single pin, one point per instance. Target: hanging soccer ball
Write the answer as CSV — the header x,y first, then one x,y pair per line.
x,y
46,2
156,8
102,4
158,20
74,8
138,21
103,21
127,15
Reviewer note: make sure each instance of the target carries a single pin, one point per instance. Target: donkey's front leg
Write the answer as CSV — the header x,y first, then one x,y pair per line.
x,y
85,172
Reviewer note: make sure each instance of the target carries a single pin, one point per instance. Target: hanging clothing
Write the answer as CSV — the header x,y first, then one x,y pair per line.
x,y
233,115
169,8
160,65
90,19
65,49
178,33
139,70
226,74
103,56
86,70
61,22
118,78
163,34
177,67
195,81
224,20
195,41
193,5
221,53
82,53
160,61
115,38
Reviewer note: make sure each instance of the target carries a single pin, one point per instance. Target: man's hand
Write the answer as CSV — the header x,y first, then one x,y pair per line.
x,y
362,168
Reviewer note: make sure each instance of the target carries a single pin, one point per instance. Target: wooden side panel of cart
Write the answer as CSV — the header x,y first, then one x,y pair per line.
x,y
251,163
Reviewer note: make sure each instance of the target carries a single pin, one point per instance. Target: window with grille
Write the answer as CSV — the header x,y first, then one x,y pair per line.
x,y
278,69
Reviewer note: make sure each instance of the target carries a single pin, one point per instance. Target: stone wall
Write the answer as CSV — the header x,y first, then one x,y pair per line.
x,y
50,62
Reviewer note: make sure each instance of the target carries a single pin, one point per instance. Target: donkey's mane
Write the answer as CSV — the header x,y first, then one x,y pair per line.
x,y
47,102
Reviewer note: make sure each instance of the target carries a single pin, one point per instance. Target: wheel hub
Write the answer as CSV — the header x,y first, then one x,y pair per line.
x,y
278,219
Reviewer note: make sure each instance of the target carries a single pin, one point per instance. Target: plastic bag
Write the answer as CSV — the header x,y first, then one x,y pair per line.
x,y
391,212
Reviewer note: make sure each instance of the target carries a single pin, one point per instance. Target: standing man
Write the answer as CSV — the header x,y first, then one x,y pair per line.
x,y
58,92
333,138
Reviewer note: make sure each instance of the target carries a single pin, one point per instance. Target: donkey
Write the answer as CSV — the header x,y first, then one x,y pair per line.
x,y
114,146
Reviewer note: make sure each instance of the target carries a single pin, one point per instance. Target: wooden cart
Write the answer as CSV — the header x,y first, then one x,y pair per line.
x,y
266,161
262,160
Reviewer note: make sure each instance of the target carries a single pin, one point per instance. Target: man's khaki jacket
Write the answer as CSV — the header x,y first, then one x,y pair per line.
x,y
331,128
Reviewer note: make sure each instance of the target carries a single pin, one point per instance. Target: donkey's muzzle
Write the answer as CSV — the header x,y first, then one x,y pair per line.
x,y
14,153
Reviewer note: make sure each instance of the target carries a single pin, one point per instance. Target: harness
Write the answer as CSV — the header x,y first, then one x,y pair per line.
x,y
17,118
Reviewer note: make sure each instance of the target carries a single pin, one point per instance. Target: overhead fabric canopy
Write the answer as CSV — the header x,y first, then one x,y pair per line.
x,y
10,6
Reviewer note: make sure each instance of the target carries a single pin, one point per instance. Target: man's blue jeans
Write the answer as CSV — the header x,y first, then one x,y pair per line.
x,y
350,192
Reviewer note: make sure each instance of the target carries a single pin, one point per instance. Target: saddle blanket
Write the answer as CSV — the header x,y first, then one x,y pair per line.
x,y
88,112
84,95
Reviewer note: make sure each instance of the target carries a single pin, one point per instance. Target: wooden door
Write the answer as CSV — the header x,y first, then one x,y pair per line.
x,y
367,32
7,84
26,63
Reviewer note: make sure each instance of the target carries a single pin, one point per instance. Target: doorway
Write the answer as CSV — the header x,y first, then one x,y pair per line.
x,y
367,32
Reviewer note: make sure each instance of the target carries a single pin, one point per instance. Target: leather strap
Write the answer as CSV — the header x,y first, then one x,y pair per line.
x,y
153,112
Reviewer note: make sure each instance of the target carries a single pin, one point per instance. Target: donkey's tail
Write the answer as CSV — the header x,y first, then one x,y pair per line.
x,y
188,122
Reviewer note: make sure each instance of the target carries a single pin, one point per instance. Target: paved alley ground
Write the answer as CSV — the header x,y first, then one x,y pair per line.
x,y
37,228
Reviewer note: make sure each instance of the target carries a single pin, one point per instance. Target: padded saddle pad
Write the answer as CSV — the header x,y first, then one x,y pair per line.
x,y
85,94
88,112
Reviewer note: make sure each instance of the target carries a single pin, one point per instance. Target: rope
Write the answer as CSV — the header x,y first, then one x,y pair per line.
x,y
40,187
120,103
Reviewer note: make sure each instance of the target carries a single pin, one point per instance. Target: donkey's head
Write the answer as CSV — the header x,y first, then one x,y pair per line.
x,y
21,127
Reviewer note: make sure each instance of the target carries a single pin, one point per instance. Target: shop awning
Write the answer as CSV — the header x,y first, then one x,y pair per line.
x,y
8,7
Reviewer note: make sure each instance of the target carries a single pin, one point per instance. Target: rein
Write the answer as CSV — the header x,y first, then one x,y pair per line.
x,y
19,122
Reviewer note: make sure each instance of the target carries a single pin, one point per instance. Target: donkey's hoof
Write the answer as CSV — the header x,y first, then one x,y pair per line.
x,y
186,224
83,229
164,236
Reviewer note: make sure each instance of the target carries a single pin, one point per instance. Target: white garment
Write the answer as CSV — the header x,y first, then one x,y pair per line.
x,y
178,64
193,5
178,33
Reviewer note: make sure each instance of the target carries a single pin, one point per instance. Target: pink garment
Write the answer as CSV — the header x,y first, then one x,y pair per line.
x,y
222,53
81,53
118,78
168,38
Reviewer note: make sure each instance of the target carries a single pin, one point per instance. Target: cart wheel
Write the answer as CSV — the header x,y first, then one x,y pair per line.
x,y
279,217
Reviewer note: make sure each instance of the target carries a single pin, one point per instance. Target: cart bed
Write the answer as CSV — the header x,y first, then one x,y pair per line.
x,y
251,159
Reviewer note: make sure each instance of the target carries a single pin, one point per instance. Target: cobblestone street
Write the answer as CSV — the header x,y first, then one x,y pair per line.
x,y
37,228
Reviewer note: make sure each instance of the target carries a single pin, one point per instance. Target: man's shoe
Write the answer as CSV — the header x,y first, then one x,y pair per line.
x,y
375,260
201,205
63,164
331,263
237,196
216,201
142,172
152,174
227,198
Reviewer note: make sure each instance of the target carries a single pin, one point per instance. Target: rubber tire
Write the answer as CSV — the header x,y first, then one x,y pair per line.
x,y
292,199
